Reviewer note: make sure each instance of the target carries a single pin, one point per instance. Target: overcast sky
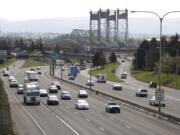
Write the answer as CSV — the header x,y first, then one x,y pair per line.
x,y
41,9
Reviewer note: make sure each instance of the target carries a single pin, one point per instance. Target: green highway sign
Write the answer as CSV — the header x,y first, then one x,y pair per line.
x,y
55,55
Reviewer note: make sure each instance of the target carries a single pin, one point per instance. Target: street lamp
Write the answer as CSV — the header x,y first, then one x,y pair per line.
x,y
160,36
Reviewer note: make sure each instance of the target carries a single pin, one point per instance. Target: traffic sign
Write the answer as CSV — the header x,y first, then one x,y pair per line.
x,y
159,95
55,55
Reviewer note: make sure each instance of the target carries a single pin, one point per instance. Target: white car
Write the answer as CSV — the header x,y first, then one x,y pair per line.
x,y
43,92
90,83
124,75
65,95
112,106
13,83
52,99
82,104
154,102
82,94
11,77
53,89
142,93
6,73
38,67
57,84
20,89
117,87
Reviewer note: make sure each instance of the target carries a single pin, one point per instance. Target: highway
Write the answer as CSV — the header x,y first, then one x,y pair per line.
x,y
130,86
64,119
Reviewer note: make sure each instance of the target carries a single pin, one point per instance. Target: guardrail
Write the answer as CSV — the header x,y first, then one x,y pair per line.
x,y
147,110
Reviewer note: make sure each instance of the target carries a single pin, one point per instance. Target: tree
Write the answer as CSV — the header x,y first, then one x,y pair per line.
x,y
99,59
113,57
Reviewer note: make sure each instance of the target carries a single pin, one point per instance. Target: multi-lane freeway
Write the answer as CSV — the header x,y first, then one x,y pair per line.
x,y
130,86
64,119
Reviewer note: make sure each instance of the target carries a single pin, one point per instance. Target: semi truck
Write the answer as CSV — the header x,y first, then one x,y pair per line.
x,y
73,70
32,76
31,93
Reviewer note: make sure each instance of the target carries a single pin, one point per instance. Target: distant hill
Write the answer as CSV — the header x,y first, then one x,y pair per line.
x,y
66,25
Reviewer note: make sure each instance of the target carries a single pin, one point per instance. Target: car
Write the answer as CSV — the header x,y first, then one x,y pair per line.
x,y
38,67
71,77
154,102
57,84
90,83
82,94
142,93
6,73
43,93
153,84
117,87
123,60
65,95
33,69
13,83
53,89
20,89
124,75
82,105
11,77
52,100
112,106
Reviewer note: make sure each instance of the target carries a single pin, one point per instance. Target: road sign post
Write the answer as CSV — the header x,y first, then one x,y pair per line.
x,y
159,96
54,57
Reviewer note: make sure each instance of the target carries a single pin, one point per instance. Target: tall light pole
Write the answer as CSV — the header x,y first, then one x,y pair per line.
x,y
160,36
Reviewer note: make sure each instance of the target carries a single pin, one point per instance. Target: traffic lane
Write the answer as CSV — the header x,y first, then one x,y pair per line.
x,y
171,93
172,107
22,123
69,113
97,113
49,122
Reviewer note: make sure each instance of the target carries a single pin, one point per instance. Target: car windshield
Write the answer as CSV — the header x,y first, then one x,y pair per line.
x,y
143,90
33,93
112,103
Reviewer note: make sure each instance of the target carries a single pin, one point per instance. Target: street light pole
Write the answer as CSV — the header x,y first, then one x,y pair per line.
x,y
160,42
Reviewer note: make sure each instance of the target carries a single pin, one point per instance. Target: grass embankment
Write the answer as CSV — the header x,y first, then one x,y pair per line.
x,y
169,80
5,115
32,63
108,71
7,62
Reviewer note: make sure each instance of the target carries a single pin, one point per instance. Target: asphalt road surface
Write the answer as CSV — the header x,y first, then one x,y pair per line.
x,y
66,120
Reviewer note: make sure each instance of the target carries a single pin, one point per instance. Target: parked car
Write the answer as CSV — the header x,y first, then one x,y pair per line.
x,y
57,84
43,92
82,94
90,83
117,87
53,89
65,95
142,93
52,100
153,84
112,106
13,83
20,89
154,102
82,104
124,75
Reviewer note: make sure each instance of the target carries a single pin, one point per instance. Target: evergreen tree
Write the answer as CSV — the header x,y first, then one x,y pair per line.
x,y
113,57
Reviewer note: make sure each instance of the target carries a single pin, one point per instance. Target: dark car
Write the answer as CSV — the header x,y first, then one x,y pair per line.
x,y
153,84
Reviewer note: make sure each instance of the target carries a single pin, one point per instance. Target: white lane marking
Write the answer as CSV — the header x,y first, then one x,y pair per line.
x,y
88,120
102,129
67,125
128,127
29,114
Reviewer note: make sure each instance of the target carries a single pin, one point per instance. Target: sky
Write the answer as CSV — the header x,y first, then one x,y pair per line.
x,y
43,9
